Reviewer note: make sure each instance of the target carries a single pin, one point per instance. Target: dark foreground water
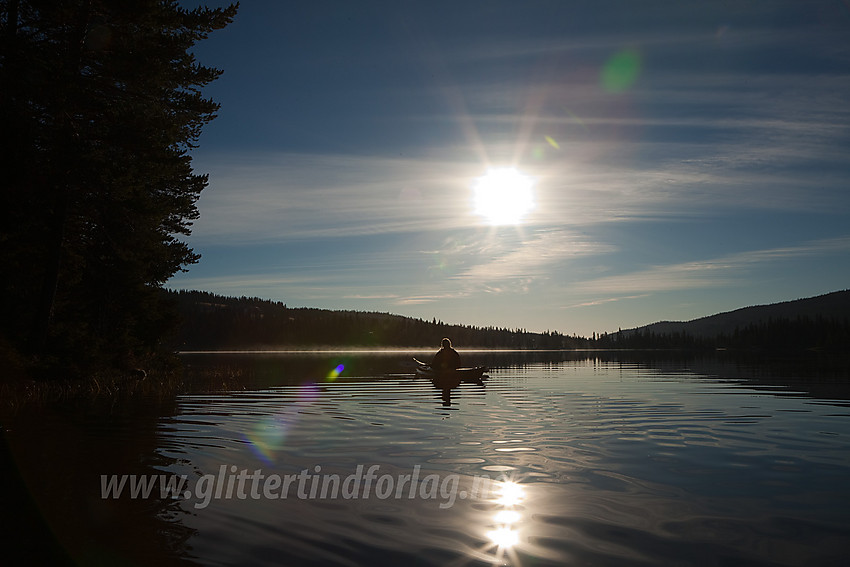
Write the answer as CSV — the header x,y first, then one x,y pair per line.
x,y
560,458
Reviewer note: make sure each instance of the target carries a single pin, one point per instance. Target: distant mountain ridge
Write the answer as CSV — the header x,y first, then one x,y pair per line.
x,y
830,306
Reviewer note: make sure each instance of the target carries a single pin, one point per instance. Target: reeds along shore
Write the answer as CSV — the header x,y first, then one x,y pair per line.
x,y
136,383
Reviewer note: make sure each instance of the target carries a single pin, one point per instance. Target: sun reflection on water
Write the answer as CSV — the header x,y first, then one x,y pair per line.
x,y
507,517
504,535
511,494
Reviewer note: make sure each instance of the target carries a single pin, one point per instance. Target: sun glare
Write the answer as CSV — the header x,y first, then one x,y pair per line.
x,y
503,196
511,494
504,537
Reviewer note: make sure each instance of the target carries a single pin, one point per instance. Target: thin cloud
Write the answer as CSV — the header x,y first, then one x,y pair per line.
x,y
595,302
437,297
703,274
535,257
770,145
291,196
239,282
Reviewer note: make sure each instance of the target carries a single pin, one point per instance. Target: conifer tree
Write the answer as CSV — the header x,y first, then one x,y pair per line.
x,y
100,104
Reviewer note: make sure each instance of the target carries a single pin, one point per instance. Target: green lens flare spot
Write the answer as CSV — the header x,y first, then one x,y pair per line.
x,y
621,71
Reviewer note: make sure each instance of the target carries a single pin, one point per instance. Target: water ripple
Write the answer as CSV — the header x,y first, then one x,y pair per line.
x,y
621,465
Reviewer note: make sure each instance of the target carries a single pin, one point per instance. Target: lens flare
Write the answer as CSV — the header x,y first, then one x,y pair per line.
x,y
621,71
268,434
334,374
538,152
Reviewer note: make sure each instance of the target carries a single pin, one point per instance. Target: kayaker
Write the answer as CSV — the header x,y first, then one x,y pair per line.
x,y
446,358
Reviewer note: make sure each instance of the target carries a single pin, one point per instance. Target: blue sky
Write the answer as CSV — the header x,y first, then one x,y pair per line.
x,y
687,158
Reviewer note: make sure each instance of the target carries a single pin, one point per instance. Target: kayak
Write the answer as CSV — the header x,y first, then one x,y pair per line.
x,y
451,378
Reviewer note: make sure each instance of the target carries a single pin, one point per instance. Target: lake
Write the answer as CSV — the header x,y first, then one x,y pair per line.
x,y
581,458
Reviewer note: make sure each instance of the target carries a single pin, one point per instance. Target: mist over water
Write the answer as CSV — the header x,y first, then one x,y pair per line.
x,y
585,458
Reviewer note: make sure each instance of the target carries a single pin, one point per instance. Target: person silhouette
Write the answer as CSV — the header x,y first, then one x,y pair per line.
x,y
446,358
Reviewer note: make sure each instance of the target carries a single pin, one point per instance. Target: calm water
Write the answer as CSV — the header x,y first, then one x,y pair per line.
x,y
564,458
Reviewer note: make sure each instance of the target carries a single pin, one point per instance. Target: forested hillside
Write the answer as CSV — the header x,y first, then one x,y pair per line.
x,y
213,322
821,322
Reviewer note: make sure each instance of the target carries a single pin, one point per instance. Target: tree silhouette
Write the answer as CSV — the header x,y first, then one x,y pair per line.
x,y
211,322
100,102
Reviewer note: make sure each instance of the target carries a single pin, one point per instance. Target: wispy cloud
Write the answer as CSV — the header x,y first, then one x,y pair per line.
x,y
371,296
342,179
439,297
241,282
773,141
268,197
595,302
703,274
536,256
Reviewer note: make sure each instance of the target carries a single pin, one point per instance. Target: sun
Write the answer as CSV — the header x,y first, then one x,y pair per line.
x,y
503,196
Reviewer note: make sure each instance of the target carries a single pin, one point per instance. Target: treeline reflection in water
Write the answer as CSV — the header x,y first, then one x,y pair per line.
x,y
611,458
824,375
